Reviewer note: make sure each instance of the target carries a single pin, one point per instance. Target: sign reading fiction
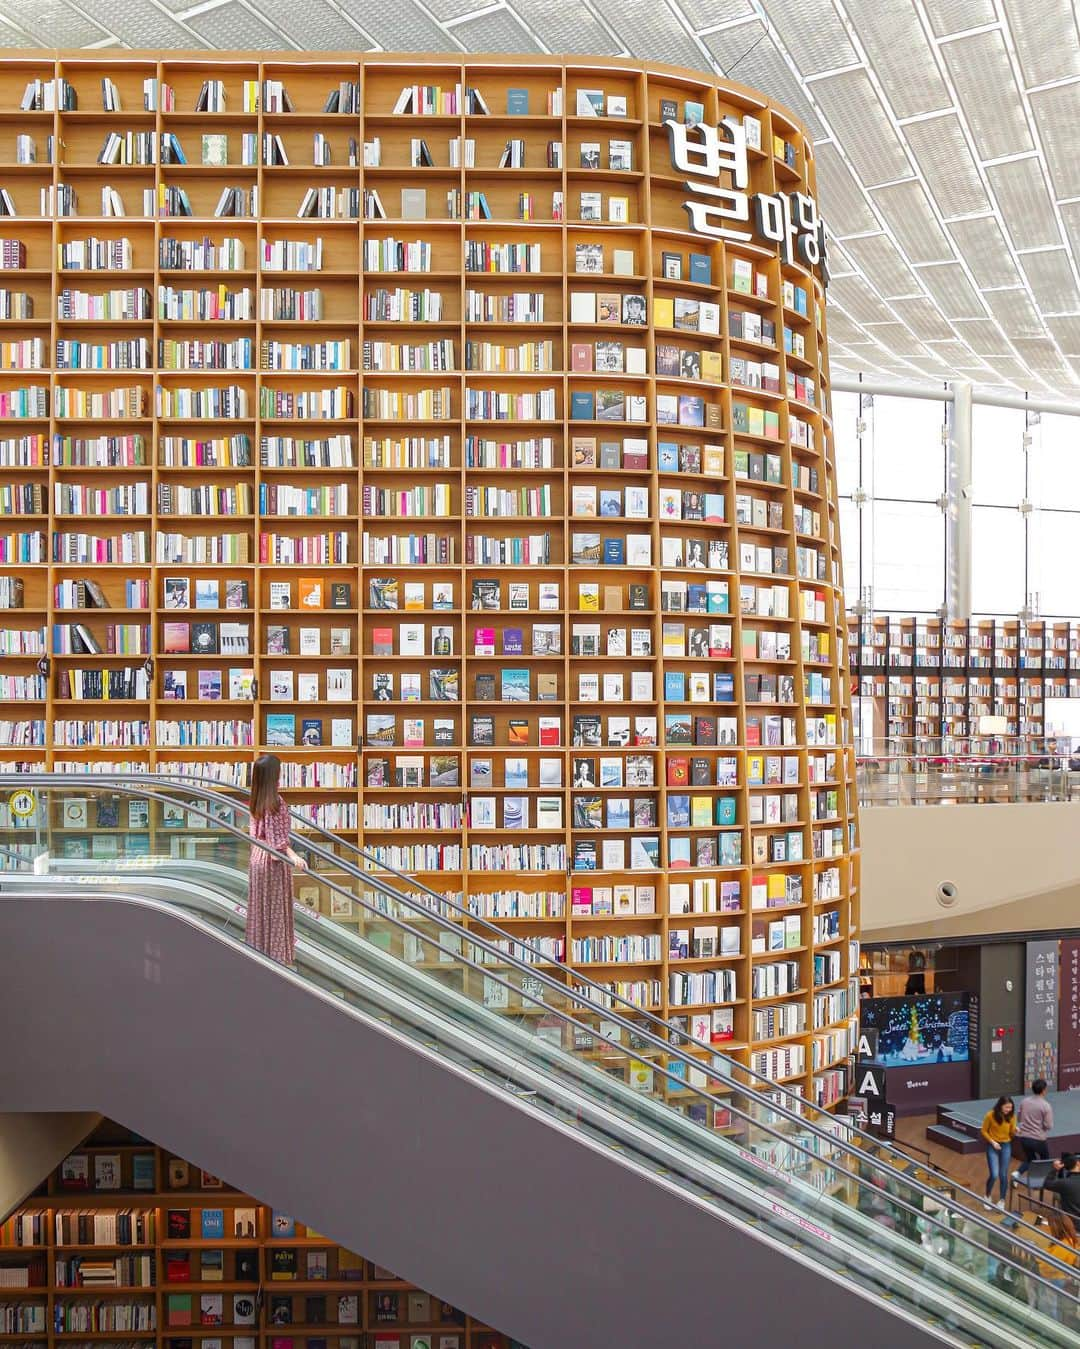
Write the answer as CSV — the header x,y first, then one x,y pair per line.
x,y
788,219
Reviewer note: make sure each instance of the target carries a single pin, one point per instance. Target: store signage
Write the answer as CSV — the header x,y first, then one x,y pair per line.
x,y
1041,1013
788,219
1069,1018
22,804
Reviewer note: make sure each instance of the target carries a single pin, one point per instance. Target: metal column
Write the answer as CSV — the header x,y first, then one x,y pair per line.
x,y
958,463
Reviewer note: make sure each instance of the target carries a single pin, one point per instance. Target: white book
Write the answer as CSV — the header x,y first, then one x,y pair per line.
x,y
583,306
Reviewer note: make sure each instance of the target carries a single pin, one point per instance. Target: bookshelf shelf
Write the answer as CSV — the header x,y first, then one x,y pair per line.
x,y
555,641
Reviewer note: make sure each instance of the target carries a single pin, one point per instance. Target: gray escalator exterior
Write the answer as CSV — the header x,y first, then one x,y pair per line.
x,y
149,1014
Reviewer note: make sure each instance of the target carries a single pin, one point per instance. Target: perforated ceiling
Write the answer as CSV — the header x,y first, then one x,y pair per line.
x,y
948,134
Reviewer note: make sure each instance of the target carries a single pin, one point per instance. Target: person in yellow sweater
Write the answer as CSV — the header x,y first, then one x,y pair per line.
x,y
1062,1243
998,1131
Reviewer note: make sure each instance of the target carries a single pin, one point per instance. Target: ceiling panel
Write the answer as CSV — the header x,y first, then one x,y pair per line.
x,y
955,16
1046,39
860,300
983,247
896,60
751,57
841,195
897,337
814,31
1066,332
908,214
946,164
897,48
231,25
1057,115
495,30
314,25
884,264
404,26
1015,312
980,70
43,20
983,336
564,26
861,124
924,319
954,293
1051,280
1026,210
647,30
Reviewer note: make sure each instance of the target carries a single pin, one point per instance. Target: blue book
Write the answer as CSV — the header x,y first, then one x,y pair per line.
x,y
213,1224
723,688
725,810
280,728
618,813
582,406
517,102
667,455
674,686
614,553
701,268
515,686
678,812
696,599
693,113
138,845
281,1225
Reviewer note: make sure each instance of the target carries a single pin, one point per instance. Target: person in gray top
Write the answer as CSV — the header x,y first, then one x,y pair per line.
x,y
1034,1123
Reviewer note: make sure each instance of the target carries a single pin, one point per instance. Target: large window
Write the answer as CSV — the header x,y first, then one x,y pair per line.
x,y
1025,506
890,451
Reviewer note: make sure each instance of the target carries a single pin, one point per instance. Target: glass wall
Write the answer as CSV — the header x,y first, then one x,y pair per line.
x,y
890,462
1025,493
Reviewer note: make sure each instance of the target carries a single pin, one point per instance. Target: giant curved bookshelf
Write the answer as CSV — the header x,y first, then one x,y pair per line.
x,y
598,695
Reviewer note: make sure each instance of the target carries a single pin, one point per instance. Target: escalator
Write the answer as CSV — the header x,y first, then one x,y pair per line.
x,y
423,1089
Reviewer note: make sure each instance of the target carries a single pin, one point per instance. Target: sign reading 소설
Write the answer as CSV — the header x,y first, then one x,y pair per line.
x,y
790,220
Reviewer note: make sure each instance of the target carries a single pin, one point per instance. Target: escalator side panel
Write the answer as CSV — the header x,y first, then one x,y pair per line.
x,y
148,1016
32,1145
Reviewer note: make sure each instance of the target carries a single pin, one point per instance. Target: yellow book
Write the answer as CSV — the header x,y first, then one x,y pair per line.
x,y
712,462
755,768
778,146
663,311
712,366
589,597
777,885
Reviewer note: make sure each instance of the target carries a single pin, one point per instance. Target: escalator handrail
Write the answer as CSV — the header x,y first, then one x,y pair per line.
x,y
760,1085
142,783
931,1218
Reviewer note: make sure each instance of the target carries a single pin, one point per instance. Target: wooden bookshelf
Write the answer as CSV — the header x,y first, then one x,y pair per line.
x,y
925,681
193,1281
639,370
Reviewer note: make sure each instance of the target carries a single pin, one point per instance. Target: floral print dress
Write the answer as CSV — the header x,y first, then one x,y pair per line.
x,y
270,901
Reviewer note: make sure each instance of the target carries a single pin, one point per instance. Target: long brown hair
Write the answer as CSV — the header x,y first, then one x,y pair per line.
x,y
999,1113
264,785
1062,1228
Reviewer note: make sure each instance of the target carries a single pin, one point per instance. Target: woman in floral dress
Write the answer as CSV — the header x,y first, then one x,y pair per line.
x,y
270,902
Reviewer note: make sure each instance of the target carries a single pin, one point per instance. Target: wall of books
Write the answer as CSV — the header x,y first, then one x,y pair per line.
x,y
130,1246
467,443
970,684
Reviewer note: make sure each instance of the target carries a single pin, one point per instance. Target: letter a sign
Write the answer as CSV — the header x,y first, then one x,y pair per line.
x,y
871,1081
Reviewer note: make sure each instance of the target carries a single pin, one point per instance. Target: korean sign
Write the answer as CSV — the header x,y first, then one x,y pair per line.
x,y
723,209
1069,1030
1041,1013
